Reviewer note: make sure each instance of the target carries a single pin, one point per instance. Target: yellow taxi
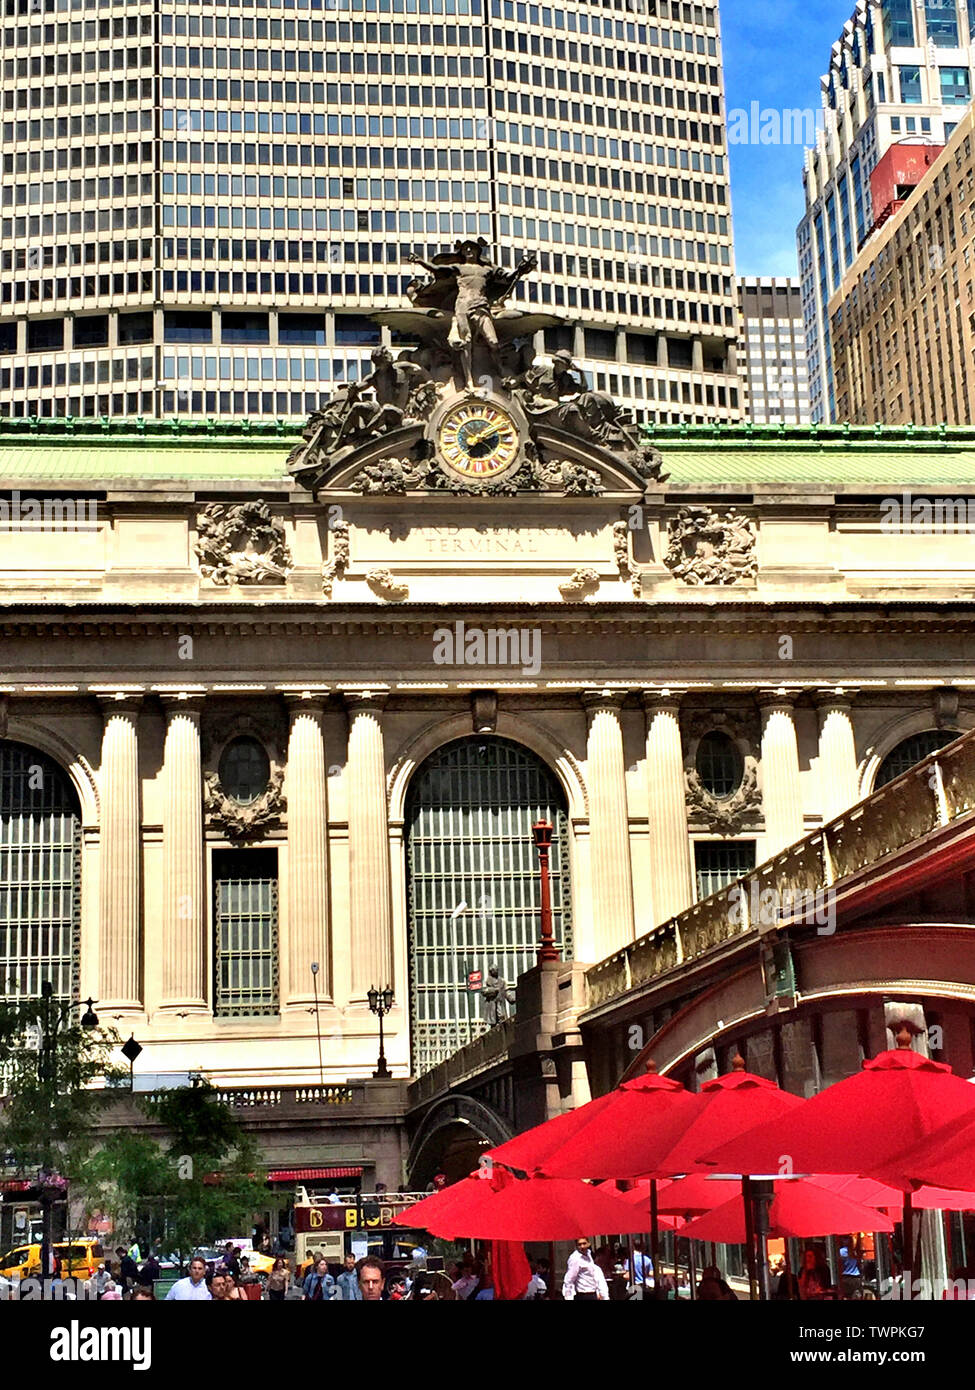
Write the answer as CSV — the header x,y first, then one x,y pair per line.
x,y
79,1259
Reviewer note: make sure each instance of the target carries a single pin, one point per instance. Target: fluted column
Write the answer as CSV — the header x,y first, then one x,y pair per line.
x,y
612,878
672,882
370,905
308,920
781,798
184,916
120,856
838,787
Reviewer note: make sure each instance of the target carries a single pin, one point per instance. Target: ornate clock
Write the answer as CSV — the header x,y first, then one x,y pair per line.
x,y
478,440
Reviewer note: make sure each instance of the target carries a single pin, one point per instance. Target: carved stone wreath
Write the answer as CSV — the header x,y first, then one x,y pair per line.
x,y
709,547
241,544
236,820
726,815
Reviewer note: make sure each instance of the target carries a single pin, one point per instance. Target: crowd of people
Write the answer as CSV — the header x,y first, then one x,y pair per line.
x,y
364,1280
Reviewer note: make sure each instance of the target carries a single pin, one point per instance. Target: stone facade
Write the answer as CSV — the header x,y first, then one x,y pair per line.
x,y
131,667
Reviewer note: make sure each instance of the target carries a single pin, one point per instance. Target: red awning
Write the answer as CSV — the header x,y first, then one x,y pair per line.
x,y
312,1174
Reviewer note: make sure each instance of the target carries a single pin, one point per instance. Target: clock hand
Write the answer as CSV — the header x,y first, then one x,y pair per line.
x,y
481,436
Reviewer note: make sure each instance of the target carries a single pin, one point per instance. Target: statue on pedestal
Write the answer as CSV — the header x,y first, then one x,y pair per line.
x,y
496,997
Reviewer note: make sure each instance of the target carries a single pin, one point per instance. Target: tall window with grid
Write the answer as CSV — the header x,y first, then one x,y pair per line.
x,y
720,862
474,891
40,831
245,948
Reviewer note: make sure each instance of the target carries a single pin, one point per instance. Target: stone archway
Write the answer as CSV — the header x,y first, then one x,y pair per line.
x,y
450,1139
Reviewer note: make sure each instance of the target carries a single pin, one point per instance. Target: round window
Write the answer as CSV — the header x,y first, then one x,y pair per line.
x,y
244,770
719,764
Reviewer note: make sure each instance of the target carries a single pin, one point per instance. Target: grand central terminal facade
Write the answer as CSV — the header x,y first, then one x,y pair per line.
x,y
278,713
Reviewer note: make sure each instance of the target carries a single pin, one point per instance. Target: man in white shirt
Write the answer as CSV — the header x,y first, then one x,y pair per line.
x,y
584,1280
194,1288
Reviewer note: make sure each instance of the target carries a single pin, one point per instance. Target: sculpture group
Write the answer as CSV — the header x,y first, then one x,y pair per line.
x,y
469,346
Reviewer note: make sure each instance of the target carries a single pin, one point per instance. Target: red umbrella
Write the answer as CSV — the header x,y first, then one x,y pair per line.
x,y
873,1193
857,1125
639,1196
537,1208
624,1143
644,1099
945,1157
799,1208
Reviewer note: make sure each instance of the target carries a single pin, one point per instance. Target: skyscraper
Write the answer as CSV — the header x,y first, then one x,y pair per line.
x,y
775,381
899,71
201,201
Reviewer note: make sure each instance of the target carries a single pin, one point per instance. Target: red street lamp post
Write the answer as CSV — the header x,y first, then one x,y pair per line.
x,y
542,831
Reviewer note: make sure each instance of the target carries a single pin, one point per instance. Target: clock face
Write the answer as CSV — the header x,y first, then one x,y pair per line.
x,y
478,439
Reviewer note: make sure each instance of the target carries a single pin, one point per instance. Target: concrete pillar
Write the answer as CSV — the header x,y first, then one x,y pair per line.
x,y
780,772
612,880
308,908
370,905
183,909
670,853
663,354
838,787
120,856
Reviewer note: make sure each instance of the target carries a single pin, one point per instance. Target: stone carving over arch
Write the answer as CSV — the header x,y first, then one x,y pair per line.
x,y
452,1111
896,730
515,728
77,767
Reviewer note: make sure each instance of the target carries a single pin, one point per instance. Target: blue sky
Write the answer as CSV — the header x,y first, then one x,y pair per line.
x,y
774,53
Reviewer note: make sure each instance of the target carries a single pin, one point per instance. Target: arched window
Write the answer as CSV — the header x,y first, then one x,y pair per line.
x,y
719,764
911,751
40,900
473,882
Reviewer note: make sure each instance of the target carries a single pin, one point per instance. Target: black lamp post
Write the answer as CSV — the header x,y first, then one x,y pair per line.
x,y
380,1003
50,1019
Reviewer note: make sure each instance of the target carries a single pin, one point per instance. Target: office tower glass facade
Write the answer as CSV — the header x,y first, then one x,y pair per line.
x,y
878,91
203,201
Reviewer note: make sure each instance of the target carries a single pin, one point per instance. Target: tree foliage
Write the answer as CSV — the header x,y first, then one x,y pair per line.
x,y
53,1075
200,1181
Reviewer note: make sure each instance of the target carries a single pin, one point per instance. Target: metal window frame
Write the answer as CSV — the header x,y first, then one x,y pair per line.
x,y
240,1003
449,862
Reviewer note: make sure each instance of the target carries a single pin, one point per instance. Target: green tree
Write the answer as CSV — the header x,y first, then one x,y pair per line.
x,y
53,1075
201,1181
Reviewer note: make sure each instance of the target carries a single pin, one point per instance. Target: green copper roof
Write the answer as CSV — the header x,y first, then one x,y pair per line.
x,y
703,457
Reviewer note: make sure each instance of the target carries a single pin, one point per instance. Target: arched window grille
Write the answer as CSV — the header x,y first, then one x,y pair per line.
x,y
473,882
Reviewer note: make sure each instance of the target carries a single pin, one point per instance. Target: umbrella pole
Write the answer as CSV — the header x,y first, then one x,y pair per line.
x,y
692,1267
746,1197
907,1243
654,1235
786,1268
